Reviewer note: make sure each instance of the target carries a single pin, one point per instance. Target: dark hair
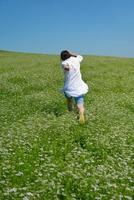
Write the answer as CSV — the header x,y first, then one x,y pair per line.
x,y
65,55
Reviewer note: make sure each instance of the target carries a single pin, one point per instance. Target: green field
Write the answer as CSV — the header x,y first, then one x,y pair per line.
x,y
45,153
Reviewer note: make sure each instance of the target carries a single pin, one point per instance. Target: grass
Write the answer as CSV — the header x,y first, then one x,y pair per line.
x,y
45,153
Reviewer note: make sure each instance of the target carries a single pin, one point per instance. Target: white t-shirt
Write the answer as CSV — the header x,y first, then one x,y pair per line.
x,y
74,86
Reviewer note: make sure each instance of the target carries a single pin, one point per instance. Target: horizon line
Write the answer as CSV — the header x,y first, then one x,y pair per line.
x,y
56,54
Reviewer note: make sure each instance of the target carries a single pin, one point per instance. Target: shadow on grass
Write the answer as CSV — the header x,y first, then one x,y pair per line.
x,y
55,109
129,107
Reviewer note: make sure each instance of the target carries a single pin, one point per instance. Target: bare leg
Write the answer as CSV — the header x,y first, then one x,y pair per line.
x,y
81,113
69,104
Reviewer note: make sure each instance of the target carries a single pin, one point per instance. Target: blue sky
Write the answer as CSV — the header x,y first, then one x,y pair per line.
x,y
94,27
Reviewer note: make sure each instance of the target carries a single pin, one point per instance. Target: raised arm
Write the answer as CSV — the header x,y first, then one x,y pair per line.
x,y
73,54
80,58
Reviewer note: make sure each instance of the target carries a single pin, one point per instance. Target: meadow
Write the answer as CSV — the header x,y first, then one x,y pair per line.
x,y
45,154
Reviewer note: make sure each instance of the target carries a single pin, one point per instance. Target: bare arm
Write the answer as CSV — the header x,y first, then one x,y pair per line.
x,y
73,54
66,68
80,58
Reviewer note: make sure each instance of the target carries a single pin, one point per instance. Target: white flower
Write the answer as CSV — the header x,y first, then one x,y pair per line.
x,y
29,194
19,174
25,198
12,190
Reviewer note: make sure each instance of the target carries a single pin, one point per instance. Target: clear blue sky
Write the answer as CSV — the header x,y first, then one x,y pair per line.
x,y
100,27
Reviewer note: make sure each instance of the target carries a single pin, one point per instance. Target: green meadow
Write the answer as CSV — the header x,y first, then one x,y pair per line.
x,y
45,154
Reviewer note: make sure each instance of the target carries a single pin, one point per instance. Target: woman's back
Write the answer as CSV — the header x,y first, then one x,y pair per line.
x,y
73,83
